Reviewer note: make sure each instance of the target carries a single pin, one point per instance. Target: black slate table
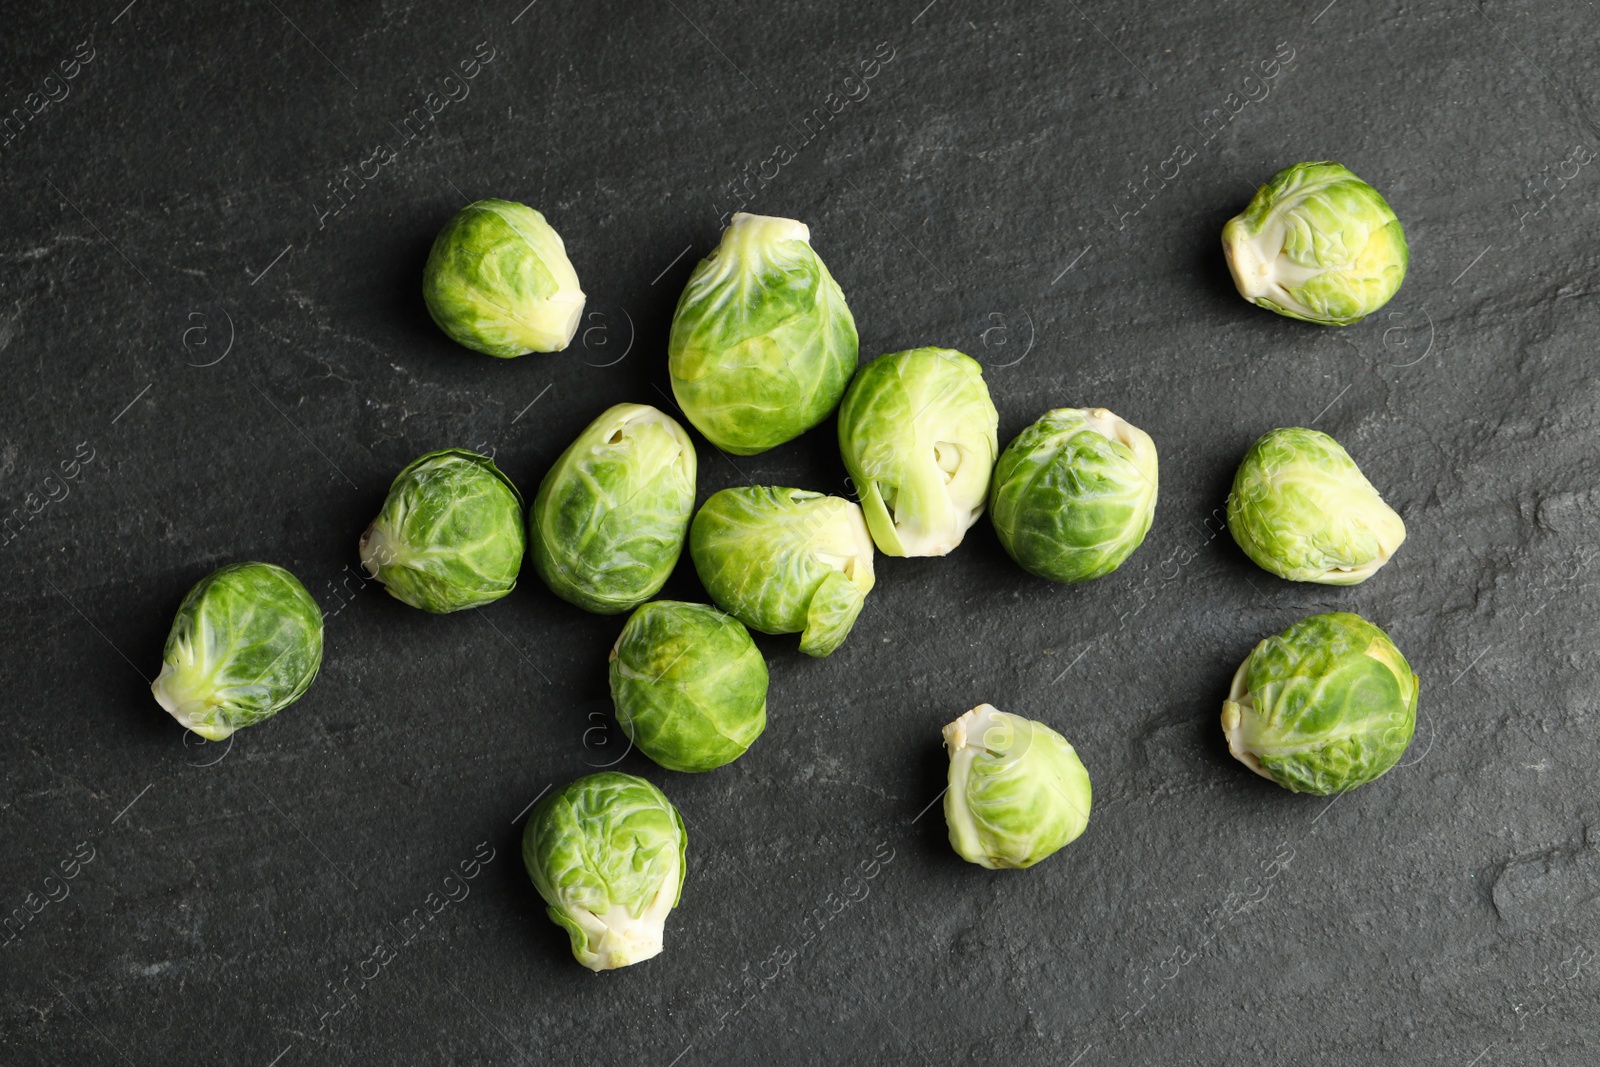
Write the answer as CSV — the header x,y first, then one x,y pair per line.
x,y
215,350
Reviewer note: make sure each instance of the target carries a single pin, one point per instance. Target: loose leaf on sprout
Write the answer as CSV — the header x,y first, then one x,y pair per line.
x,y
917,432
766,555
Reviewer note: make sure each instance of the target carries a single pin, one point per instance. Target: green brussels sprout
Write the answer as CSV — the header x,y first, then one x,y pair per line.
x,y
917,434
1017,793
607,855
245,644
1323,707
449,536
762,343
689,685
785,561
1074,494
608,523
498,281
1301,509
1317,243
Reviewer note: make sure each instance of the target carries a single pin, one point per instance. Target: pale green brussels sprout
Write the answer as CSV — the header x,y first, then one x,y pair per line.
x,y
917,432
607,855
608,523
245,644
1074,494
785,561
1017,792
498,281
449,535
762,343
1323,707
689,685
1301,509
1317,243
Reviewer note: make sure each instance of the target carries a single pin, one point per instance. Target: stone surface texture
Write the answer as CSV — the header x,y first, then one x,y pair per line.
x,y
211,356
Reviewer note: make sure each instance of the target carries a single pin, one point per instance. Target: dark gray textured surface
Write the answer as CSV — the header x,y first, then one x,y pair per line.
x,y
168,212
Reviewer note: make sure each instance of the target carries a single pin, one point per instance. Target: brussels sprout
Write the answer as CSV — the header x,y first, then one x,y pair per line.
x,y
1301,509
449,535
762,343
1074,494
498,281
608,522
1317,243
917,433
1018,791
607,855
785,561
689,685
245,644
1323,707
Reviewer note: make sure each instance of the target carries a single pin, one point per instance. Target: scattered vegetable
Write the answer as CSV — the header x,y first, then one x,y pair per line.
x,y
1301,508
498,281
785,561
1317,243
917,432
449,535
1017,792
1325,706
690,686
607,855
245,644
608,523
1074,494
762,343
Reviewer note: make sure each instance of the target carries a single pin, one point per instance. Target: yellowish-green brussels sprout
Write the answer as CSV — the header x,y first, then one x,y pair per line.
x,y
450,534
1074,494
1017,793
1318,244
1325,706
607,855
785,561
690,687
917,432
762,343
498,281
608,523
1301,509
245,644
